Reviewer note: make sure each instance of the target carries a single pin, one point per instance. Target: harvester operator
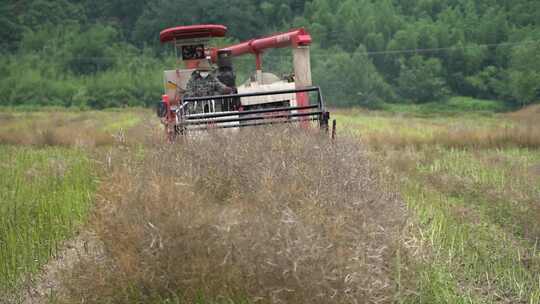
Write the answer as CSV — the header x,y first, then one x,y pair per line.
x,y
204,82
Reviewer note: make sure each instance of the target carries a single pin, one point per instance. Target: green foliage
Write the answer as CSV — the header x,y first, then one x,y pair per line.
x,y
453,106
525,73
76,53
351,78
485,82
421,80
75,67
92,50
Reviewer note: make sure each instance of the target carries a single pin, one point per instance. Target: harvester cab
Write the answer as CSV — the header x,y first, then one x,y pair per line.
x,y
203,93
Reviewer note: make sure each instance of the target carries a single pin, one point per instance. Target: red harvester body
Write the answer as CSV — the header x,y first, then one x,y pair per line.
x,y
266,99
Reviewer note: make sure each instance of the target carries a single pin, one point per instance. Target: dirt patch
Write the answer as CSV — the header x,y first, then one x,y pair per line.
x,y
535,169
48,283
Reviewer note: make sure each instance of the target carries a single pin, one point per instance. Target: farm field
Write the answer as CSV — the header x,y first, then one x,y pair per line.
x,y
472,182
45,194
457,196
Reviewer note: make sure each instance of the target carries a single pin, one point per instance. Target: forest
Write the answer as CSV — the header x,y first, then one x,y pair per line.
x,y
99,54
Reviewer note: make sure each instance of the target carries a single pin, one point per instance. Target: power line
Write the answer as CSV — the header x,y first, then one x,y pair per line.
x,y
369,53
455,48
430,50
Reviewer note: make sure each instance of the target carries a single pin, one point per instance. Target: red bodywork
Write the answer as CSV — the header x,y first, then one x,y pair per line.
x,y
192,32
257,46
292,38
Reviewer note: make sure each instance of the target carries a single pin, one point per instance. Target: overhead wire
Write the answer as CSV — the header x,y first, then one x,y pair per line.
x,y
454,48
369,53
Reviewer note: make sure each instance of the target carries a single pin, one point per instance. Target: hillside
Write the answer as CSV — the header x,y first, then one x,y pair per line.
x,y
100,53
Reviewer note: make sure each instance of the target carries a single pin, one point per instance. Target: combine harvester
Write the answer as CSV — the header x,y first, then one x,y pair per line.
x,y
201,96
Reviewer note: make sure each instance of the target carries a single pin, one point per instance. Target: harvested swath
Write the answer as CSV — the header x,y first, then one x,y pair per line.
x,y
269,215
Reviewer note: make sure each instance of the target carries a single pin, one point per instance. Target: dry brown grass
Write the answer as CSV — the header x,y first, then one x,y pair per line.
x,y
525,135
529,114
59,136
380,131
521,136
5,117
64,129
267,215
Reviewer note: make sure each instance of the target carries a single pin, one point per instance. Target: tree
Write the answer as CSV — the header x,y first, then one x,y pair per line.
x,y
421,80
468,46
90,51
525,73
10,30
486,82
351,79
40,12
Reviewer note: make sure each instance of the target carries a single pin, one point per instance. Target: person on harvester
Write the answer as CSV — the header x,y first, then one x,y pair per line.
x,y
204,82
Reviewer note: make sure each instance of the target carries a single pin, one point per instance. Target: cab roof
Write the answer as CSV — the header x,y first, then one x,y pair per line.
x,y
192,32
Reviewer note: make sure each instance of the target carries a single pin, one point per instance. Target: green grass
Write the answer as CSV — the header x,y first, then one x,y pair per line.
x,y
475,233
405,122
466,262
45,194
123,121
473,226
453,106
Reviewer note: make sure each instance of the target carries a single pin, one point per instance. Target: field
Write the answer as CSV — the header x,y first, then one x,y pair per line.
x,y
46,194
407,206
473,184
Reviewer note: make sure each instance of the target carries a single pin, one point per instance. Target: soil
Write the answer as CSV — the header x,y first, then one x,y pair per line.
x,y
47,284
